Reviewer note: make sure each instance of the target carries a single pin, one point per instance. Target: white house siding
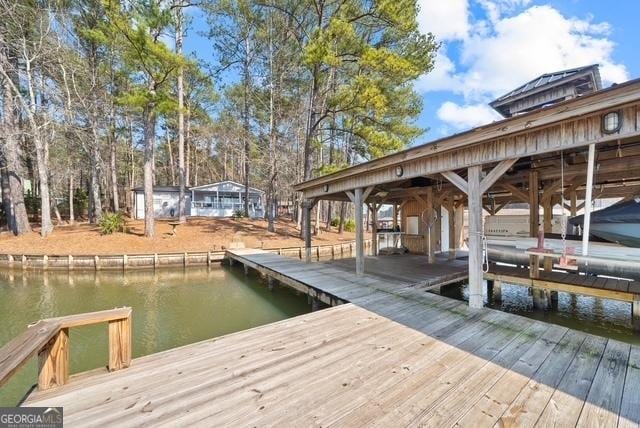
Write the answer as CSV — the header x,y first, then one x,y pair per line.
x,y
165,204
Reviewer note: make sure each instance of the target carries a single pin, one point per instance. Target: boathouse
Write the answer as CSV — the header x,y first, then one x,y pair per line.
x,y
565,142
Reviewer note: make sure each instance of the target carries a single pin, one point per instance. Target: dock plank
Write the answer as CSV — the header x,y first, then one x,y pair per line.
x,y
395,355
603,403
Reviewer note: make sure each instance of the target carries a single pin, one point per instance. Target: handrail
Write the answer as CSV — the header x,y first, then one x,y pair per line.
x,y
49,338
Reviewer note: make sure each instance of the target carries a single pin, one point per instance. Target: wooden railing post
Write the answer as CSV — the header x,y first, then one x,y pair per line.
x,y
120,343
53,361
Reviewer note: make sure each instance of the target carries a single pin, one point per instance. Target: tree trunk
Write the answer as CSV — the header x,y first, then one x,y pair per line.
x,y
16,211
172,165
114,175
56,211
42,160
272,138
245,119
182,214
149,143
310,134
341,222
187,170
72,218
95,211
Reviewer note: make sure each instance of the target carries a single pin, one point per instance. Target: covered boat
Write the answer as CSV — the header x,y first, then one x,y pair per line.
x,y
618,223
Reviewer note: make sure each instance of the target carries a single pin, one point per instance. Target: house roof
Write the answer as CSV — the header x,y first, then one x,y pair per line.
x,y
219,183
547,81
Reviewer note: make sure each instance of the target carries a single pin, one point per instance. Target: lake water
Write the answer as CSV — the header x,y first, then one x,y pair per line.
x,y
171,307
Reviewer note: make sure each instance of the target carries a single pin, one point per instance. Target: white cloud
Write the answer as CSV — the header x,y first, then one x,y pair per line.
x,y
536,41
447,20
466,116
443,77
513,45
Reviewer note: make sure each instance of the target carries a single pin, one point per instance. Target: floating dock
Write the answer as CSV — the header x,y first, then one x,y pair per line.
x,y
394,356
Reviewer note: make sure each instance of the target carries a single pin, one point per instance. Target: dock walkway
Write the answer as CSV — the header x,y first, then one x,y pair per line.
x,y
394,356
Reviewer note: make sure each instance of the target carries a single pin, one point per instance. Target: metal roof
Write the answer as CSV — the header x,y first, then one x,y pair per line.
x,y
548,80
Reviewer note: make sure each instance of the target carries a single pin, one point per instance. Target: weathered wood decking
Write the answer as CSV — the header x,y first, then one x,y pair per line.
x,y
395,356
588,285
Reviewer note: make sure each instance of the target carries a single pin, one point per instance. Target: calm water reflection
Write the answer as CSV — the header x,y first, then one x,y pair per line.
x,y
602,317
170,308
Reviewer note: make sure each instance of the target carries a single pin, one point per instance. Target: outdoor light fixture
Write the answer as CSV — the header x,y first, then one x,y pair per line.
x,y
611,122
399,171
325,188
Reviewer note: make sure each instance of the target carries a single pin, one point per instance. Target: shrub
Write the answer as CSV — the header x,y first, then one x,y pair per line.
x,y
111,223
238,214
350,225
335,222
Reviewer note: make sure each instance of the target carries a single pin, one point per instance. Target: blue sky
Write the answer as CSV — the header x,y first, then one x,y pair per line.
x,y
492,46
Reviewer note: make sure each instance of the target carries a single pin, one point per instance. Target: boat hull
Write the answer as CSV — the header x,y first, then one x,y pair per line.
x,y
623,233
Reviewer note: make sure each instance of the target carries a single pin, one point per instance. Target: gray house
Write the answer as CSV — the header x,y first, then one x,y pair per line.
x,y
165,201
220,199
223,199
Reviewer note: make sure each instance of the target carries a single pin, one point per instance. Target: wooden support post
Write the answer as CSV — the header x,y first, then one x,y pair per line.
x,y
96,262
208,258
119,344
125,261
315,304
395,216
635,312
534,266
373,207
547,205
429,224
534,204
53,361
357,201
436,229
539,298
475,234
156,261
587,200
306,206
246,269
45,261
573,207
270,283
24,262
553,297
452,230
497,291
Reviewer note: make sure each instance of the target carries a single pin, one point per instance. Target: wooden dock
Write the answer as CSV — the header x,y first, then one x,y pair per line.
x,y
394,356
587,285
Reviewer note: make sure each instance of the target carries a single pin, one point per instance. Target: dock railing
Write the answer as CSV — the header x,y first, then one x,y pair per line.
x,y
49,339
